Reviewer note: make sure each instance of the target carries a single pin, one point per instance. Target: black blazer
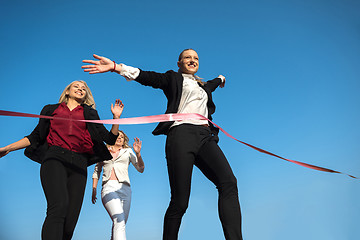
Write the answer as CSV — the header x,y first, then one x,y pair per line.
x,y
172,83
99,134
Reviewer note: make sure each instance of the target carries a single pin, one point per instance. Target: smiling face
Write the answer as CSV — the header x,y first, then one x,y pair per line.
x,y
77,91
188,62
120,140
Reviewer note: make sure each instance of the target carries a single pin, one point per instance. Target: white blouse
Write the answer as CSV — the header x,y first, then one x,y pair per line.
x,y
120,162
193,98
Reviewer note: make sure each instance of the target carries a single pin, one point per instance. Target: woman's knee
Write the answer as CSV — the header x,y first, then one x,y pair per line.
x,y
228,188
58,209
177,209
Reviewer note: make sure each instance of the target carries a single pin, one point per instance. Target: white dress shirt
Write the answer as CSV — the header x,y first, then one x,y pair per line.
x,y
193,98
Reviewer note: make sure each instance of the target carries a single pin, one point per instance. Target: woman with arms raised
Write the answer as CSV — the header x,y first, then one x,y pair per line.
x,y
116,190
189,142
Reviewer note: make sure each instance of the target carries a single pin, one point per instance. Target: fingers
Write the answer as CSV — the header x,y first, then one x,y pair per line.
x,y
137,141
92,71
118,102
222,84
137,145
90,61
3,153
90,68
97,56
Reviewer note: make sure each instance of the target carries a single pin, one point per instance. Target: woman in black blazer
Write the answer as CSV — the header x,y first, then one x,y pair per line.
x,y
189,142
65,149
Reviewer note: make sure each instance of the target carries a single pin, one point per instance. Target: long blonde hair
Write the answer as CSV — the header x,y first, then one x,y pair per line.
x,y
89,99
126,140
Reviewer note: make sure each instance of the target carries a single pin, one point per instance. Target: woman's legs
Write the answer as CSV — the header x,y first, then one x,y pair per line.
x,y
116,198
53,179
76,188
181,145
64,188
187,145
213,164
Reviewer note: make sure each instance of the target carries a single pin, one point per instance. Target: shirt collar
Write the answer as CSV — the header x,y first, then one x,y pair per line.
x,y
190,76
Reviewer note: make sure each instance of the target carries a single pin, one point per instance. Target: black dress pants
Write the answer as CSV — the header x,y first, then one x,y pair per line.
x,y
63,177
188,145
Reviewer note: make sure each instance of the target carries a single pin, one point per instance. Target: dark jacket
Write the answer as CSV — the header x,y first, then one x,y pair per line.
x,y
99,134
172,83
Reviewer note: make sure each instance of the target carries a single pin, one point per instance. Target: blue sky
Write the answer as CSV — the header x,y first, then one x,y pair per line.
x,y
292,87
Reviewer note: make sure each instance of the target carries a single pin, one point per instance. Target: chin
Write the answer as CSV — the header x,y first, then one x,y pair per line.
x,y
191,72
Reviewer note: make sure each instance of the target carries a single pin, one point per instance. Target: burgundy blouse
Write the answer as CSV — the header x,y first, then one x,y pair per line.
x,y
71,135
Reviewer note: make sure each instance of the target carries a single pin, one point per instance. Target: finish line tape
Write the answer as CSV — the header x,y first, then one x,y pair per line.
x,y
166,118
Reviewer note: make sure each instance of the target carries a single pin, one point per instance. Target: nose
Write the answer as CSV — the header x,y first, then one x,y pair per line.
x,y
192,60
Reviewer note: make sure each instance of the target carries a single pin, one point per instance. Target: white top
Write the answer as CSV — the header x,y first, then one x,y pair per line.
x,y
193,98
120,162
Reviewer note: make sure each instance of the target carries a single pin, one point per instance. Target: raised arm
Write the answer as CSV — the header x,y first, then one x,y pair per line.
x,y
116,110
137,148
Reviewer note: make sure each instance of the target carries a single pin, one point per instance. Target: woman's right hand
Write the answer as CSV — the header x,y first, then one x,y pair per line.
x,y
4,151
93,197
103,65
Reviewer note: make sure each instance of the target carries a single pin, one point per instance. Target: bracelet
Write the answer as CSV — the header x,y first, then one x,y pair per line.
x,y
114,67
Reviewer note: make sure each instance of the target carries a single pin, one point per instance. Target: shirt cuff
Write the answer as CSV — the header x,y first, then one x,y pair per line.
x,y
222,78
130,73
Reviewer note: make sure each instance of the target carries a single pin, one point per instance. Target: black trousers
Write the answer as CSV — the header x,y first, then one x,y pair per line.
x,y
63,177
188,145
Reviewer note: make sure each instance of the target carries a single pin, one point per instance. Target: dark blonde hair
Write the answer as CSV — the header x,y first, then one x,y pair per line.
x,y
89,99
180,56
126,140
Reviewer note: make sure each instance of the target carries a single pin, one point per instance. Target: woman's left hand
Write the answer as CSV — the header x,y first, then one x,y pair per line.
x,y
117,108
137,145
222,84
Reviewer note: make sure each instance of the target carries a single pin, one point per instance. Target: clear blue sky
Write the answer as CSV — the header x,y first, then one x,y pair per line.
x,y
293,83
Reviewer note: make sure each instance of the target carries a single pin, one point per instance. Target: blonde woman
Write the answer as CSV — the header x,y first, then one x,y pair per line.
x,y
65,149
189,142
116,191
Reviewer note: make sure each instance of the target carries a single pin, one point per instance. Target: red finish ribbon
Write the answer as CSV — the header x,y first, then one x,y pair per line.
x,y
171,117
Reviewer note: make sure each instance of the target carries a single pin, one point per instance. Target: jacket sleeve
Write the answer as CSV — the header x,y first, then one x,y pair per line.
x,y
154,79
106,135
213,84
35,135
97,170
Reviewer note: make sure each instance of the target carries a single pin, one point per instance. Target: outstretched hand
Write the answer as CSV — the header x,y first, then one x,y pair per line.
x,y
3,152
137,145
117,109
103,65
223,82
